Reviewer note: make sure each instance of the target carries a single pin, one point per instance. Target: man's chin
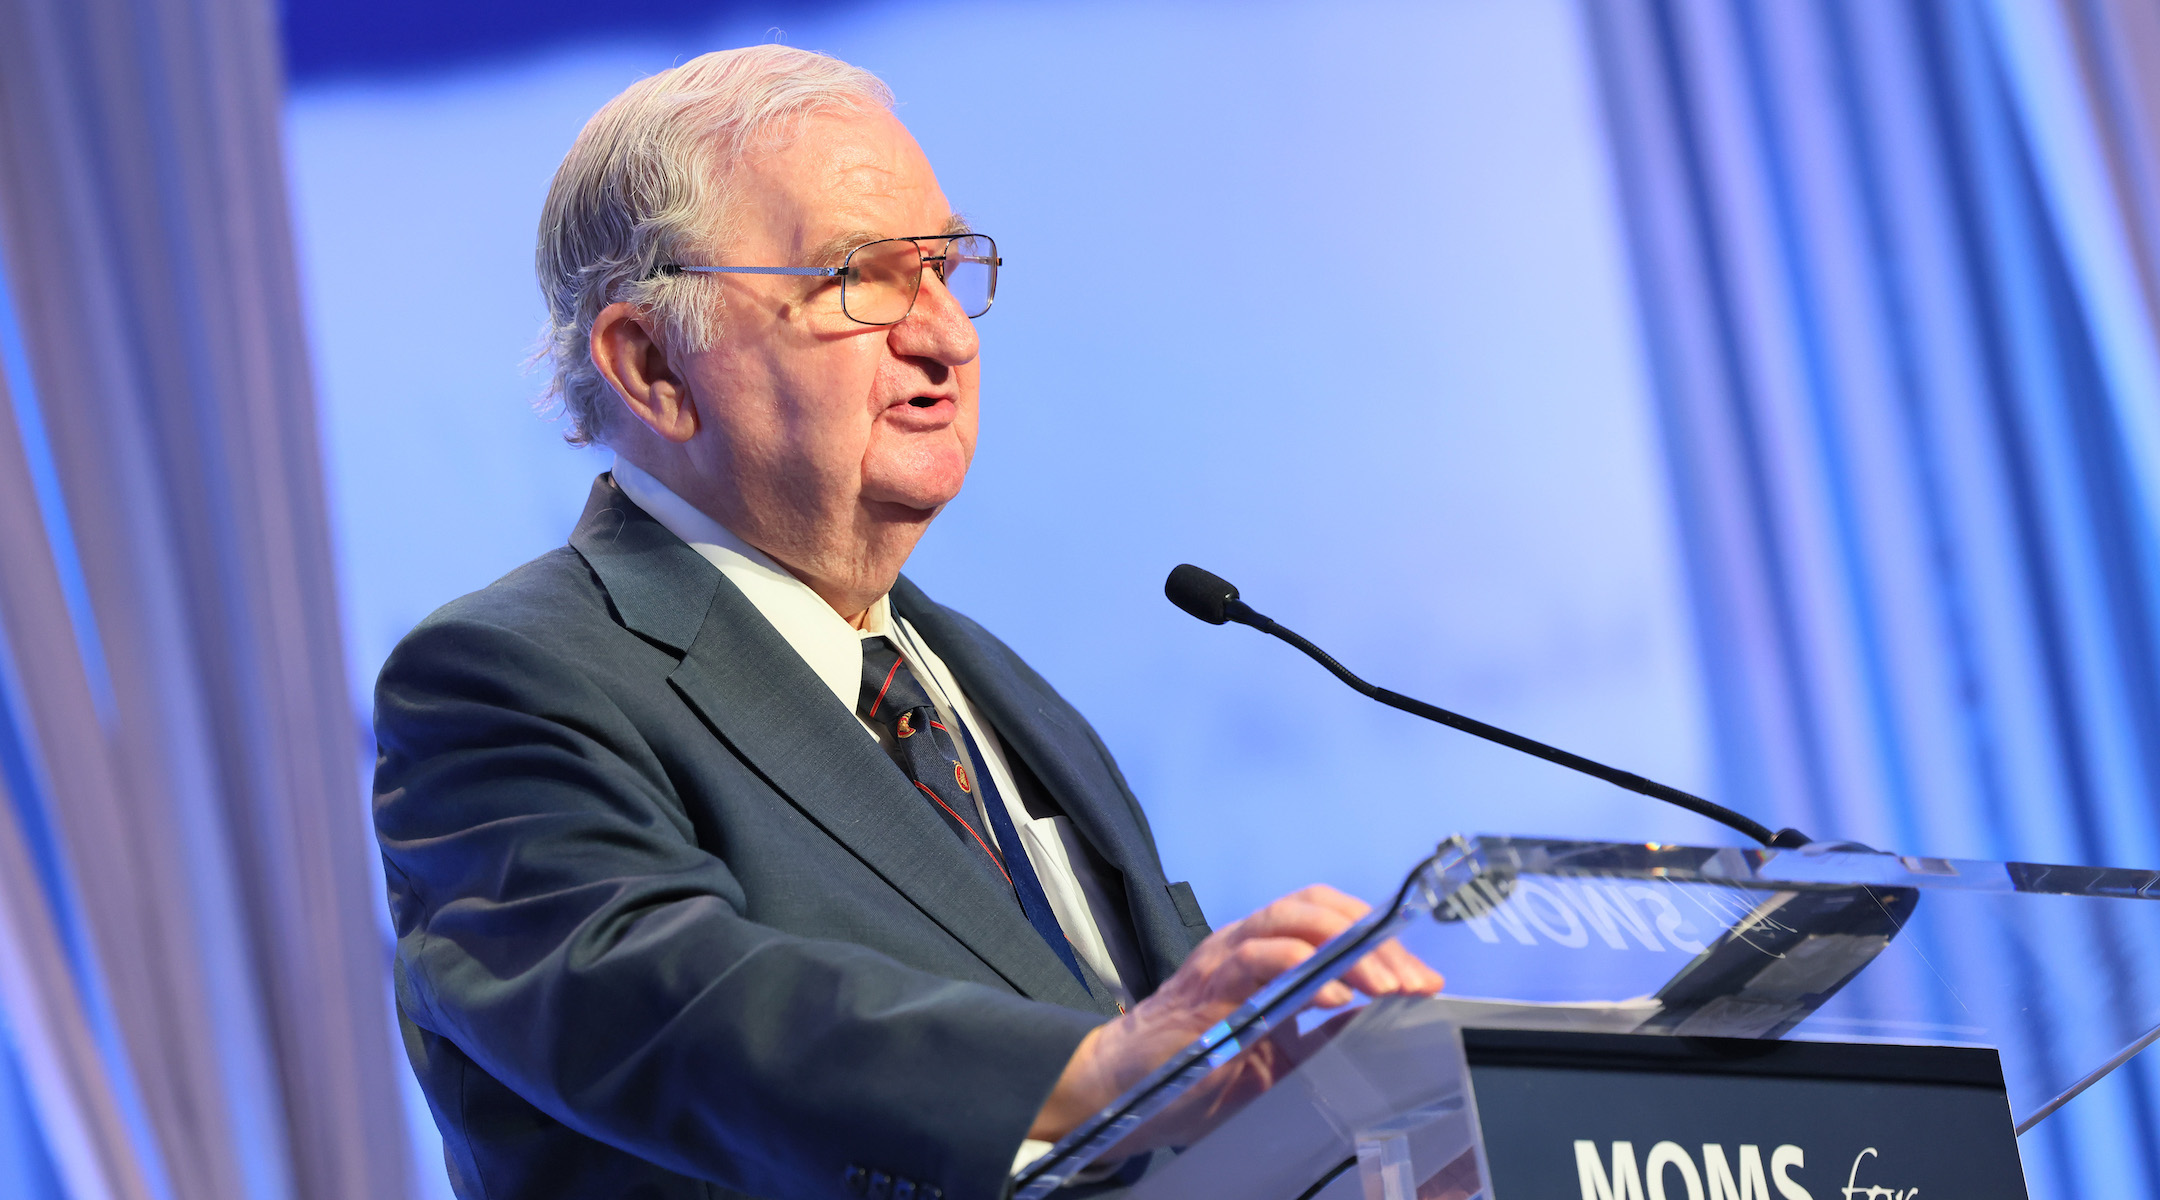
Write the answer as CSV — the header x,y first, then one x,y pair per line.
x,y
913,499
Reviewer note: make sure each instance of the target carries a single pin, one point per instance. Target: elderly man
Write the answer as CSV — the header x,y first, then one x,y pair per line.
x,y
723,861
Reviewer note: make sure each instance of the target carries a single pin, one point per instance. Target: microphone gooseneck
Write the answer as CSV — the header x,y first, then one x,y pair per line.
x,y
1215,600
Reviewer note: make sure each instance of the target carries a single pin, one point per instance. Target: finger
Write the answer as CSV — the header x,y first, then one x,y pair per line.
x,y
1432,981
1251,965
1394,970
1328,898
1414,974
1373,980
1334,995
1318,914
1372,976
1294,916
1257,961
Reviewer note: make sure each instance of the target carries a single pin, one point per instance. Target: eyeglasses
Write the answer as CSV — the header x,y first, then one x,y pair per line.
x,y
880,280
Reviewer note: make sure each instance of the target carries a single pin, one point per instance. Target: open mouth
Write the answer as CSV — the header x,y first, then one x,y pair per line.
x,y
924,401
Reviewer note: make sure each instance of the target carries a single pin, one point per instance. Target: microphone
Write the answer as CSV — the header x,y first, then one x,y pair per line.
x,y
1215,600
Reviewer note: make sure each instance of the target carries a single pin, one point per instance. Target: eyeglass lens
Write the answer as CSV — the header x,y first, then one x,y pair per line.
x,y
970,272
884,277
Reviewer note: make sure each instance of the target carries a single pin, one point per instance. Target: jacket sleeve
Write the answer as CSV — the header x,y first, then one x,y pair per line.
x,y
558,922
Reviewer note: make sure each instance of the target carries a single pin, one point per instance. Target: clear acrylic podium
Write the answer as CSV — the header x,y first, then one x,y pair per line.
x,y
2057,969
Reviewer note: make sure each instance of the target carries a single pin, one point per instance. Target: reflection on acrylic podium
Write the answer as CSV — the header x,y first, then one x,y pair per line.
x,y
1632,1022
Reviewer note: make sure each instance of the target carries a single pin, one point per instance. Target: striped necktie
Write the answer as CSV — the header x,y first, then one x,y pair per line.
x,y
932,759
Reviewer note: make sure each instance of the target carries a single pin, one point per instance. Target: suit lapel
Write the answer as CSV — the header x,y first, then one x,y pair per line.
x,y
660,587
763,700
1039,726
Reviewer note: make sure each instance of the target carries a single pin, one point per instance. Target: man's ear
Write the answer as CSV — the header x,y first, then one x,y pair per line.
x,y
636,365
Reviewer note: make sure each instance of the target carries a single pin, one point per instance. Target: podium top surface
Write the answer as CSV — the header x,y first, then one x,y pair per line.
x,y
1757,867
2055,967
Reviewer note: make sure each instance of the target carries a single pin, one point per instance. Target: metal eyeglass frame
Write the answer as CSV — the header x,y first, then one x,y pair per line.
x,y
847,265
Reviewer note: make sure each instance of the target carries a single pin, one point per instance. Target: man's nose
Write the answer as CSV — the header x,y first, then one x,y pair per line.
x,y
937,327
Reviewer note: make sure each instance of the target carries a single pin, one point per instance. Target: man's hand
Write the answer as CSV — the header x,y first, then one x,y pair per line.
x,y
1223,972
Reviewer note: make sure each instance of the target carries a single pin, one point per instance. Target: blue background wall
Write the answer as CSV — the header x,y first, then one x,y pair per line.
x,y
1331,299
1328,300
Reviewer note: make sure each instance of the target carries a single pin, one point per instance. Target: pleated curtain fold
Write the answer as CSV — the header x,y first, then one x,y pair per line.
x,y
174,684
1894,263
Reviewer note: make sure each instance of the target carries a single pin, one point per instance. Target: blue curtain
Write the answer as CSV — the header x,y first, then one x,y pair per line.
x,y
191,956
39,901
1893,305
26,1168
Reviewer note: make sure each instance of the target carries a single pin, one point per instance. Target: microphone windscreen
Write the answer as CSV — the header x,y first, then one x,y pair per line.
x,y
1198,592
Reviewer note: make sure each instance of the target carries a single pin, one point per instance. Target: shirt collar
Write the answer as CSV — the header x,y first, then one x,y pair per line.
x,y
831,646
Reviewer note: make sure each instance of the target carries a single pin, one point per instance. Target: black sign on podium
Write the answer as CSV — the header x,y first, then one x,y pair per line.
x,y
1650,1022
1613,1115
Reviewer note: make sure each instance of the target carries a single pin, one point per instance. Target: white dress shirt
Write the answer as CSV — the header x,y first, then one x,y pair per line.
x,y
833,650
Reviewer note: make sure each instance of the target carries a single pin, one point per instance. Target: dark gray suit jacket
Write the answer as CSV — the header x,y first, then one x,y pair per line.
x,y
669,925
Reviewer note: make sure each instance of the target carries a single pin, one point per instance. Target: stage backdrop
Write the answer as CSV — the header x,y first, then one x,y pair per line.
x,y
1359,306
1330,301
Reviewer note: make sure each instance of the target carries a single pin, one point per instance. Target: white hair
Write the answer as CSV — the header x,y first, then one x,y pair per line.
x,y
647,184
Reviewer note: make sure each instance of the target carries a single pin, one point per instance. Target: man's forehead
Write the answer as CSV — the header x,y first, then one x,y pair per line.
x,y
848,177
834,248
